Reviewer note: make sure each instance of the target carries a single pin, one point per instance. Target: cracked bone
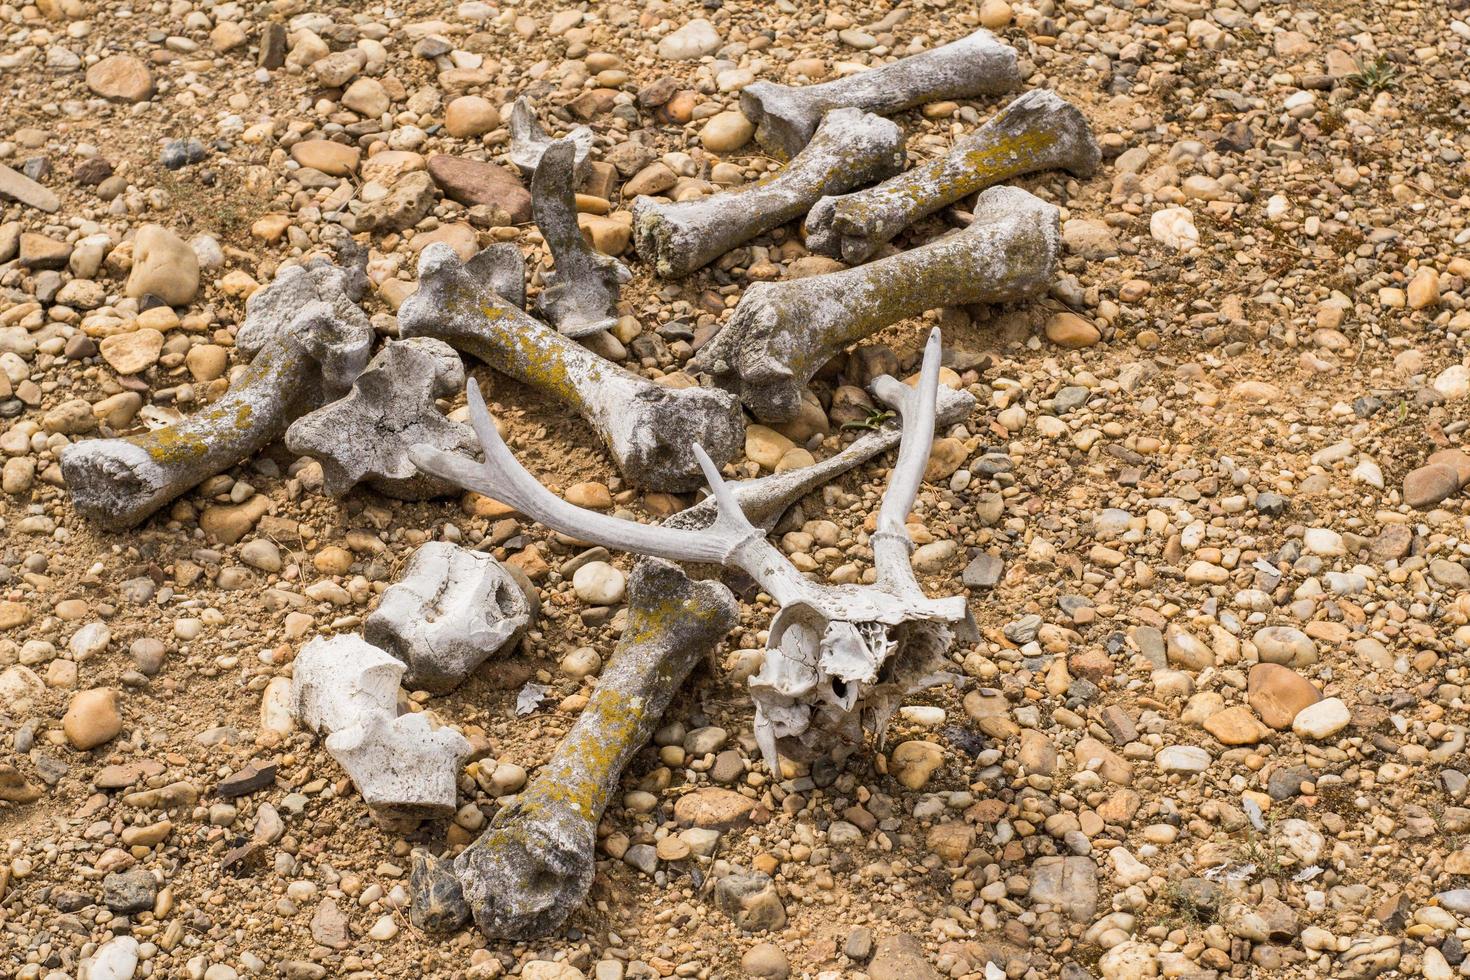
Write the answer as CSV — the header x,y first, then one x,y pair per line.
x,y
648,428
581,296
529,142
838,655
1038,131
405,769
312,357
783,332
271,309
365,436
534,863
786,116
452,610
851,148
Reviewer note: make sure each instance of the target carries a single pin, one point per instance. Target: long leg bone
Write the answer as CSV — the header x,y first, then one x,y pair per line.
x,y
850,149
452,609
365,436
533,866
502,268
786,116
648,428
1038,131
311,358
404,769
528,141
828,644
782,332
581,296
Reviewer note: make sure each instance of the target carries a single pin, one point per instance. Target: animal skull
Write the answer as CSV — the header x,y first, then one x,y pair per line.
x,y
830,645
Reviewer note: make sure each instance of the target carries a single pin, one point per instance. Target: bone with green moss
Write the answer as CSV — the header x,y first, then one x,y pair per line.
x,y
850,149
1038,131
783,332
786,116
647,427
309,359
581,296
533,865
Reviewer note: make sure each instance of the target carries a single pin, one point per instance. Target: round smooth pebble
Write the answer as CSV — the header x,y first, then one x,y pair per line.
x,y
92,718
599,584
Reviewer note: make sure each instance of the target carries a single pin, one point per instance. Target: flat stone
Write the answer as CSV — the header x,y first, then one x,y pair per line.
x,y
255,776
475,182
900,957
1322,720
131,353
121,77
1278,693
18,187
712,808
331,158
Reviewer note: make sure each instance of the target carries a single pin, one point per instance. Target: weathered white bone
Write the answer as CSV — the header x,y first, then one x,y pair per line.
x,y
648,428
533,865
452,610
581,296
850,149
271,309
528,141
829,644
782,332
311,358
1038,131
502,269
404,769
365,436
786,116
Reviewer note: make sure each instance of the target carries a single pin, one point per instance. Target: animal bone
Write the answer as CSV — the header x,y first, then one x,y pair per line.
x,y
783,332
502,267
453,609
647,427
828,644
850,149
786,116
404,769
271,309
528,141
366,435
1038,131
533,865
581,296
309,359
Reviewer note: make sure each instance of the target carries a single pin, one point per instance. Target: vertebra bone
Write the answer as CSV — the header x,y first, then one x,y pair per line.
x,y
311,358
850,149
1038,131
366,435
452,609
404,769
533,866
829,645
528,141
783,332
786,116
581,296
648,428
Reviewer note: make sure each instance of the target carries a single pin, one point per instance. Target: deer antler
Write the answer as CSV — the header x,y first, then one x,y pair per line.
x,y
891,542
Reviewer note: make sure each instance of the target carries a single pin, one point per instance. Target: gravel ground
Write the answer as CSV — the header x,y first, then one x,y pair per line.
x,y
1207,511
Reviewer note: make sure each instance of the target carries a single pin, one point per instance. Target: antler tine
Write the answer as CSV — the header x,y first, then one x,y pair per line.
x,y
502,477
891,542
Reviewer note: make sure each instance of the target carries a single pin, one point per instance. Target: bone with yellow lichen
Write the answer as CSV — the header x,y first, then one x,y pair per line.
x,y
533,865
783,332
309,358
850,149
787,115
647,427
1038,131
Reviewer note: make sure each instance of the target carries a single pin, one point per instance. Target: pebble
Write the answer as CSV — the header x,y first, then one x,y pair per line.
x,y
694,40
1071,331
121,77
92,718
726,131
164,266
599,584
1322,719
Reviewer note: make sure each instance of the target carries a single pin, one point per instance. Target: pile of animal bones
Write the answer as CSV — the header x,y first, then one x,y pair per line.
x,y
839,658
